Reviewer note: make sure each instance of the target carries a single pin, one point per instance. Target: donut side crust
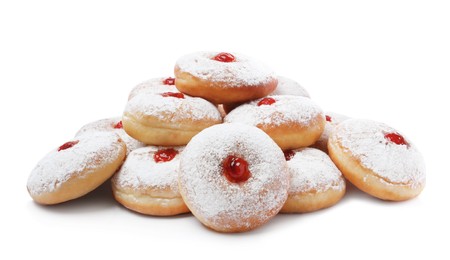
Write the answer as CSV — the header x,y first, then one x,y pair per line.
x,y
305,202
144,203
221,92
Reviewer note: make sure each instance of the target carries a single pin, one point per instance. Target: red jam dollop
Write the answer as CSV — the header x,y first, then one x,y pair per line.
x,y
328,118
67,145
119,125
173,94
224,57
165,155
266,101
288,154
236,169
169,81
396,138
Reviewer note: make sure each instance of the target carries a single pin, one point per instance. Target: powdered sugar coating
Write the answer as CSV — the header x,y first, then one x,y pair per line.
x,y
108,125
154,86
244,71
172,108
209,194
365,141
286,109
311,170
329,128
140,171
99,148
287,86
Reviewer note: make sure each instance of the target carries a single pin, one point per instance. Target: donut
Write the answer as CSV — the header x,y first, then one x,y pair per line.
x,y
288,86
168,119
291,121
76,168
233,177
315,182
223,77
377,159
155,86
111,125
332,120
148,182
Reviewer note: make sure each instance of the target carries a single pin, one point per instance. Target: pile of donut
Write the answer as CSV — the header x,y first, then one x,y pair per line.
x,y
231,142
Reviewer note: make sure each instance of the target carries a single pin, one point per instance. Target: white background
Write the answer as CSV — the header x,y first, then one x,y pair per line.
x,y
65,64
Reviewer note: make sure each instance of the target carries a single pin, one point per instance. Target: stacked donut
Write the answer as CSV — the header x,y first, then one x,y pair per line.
x,y
231,142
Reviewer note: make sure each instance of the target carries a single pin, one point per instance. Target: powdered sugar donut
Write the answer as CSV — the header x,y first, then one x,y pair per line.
x,y
148,182
111,125
315,181
288,86
332,120
168,119
233,177
377,159
154,86
76,168
223,77
291,121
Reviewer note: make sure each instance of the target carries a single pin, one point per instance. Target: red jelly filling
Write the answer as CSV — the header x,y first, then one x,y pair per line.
x,y
289,154
173,94
224,57
67,145
118,125
266,101
396,138
165,155
328,118
169,81
235,169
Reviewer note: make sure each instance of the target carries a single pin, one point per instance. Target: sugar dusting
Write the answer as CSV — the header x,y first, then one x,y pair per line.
x,y
153,86
287,86
329,128
364,139
171,108
107,125
312,170
140,171
208,191
287,108
244,71
57,167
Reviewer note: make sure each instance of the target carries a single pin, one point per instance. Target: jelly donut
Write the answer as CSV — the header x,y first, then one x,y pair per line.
x,y
148,182
154,86
332,120
315,182
111,125
291,121
76,168
168,119
288,86
223,77
377,159
233,177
